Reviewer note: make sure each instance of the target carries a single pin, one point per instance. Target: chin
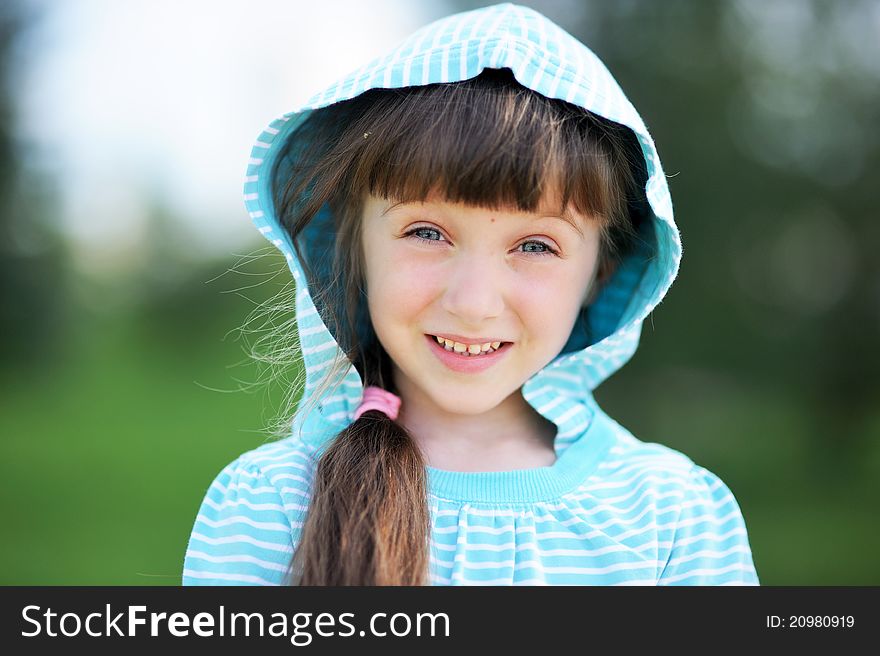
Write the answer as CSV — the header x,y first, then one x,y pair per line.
x,y
465,404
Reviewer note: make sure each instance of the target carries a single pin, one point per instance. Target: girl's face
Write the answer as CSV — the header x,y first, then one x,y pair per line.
x,y
443,268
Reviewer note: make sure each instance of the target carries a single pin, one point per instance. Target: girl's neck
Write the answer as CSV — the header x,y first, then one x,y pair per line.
x,y
511,436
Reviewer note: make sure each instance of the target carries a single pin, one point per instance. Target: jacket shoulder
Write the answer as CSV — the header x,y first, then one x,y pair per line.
x,y
250,519
693,519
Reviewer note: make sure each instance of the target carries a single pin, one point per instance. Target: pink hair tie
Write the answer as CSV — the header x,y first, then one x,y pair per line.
x,y
376,398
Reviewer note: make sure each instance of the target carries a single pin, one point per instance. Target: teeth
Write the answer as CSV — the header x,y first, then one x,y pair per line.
x,y
473,349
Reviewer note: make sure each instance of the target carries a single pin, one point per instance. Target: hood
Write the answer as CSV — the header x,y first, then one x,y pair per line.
x,y
545,58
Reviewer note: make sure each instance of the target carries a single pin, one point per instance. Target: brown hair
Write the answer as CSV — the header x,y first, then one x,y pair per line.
x,y
488,142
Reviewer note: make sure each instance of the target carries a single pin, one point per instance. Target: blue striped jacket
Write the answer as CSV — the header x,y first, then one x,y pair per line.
x,y
612,510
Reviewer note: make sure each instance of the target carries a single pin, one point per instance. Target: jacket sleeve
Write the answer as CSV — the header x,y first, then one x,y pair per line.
x,y
242,534
710,545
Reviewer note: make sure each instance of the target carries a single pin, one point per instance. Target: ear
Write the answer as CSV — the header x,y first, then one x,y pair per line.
x,y
605,270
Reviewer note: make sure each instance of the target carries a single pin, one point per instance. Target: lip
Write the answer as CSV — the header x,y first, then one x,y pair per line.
x,y
464,363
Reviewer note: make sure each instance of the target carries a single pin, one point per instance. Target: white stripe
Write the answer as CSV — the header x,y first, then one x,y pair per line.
x,y
649,482
469,529
446,547
225,489
546,54
650,528
735,567
491,33
710,535
523,26
227,577
336,398
716,485
288,477
534,394
314,330
244,502
604,503
466,548
326,346
484,513
463,61
536,564
501,581
561,65
579,72
637,582
709,518
444,64
241,519
608,504
321,366
297,491
283,453
738,583
576,430
628,462
287,463
710,553
571,412
241,537
552,404
295,506
642,474
426,67
613,521
270,451
407,65
561,375
243,558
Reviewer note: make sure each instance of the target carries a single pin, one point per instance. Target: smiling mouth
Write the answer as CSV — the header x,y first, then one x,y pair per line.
x,y
467,352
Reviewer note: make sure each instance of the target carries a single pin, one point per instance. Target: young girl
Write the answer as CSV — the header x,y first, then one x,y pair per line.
x,y
478,224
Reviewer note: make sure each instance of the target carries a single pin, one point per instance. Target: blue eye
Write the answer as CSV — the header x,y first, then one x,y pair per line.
x,y
415,230
549,250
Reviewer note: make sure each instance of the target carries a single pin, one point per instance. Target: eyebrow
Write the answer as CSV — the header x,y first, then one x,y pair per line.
x,y
564,216
568,218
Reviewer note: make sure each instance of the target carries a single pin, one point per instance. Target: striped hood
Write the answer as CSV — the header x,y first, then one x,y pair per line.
x,y
547,59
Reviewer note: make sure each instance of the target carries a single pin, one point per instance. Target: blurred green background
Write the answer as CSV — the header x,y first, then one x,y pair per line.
x,y
125,375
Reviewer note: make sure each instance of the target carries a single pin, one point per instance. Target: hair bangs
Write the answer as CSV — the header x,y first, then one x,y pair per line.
x,y
496,147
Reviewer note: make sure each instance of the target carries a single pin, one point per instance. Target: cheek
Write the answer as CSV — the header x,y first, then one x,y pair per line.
x,y
549,304
400,287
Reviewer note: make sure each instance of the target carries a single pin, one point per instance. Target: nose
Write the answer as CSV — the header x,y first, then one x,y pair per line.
x,y
474,291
